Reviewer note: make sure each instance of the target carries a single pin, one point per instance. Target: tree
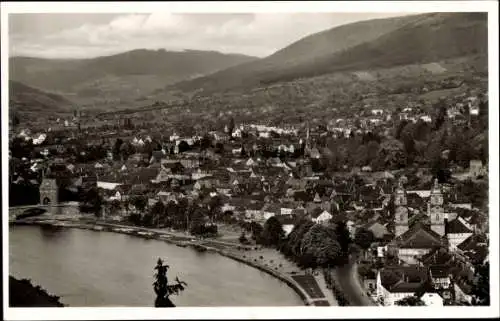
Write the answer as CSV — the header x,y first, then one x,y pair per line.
x,y
243,239
162,289
256,230
91,202
364,238
320,246
230,127
183,146
117,148
292,246
139,202
481,288
272,233
392,154
114,206
343,237
440,114
410,301
158,212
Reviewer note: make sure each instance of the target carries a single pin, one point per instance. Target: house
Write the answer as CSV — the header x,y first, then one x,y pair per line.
x,y
269,210
106,185
426,118
475,248
476,168
287,223
321,217
206,182
190,162
253,212
379,231
416,242
396,283
440,276
457,231
432,299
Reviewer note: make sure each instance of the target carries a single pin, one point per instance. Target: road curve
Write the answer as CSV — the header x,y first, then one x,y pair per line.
x,y
348,282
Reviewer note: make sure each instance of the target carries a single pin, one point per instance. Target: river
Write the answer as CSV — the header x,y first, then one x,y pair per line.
x,y
94,269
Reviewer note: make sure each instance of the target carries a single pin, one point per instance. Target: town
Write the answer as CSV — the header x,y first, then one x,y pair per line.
x,y
397,193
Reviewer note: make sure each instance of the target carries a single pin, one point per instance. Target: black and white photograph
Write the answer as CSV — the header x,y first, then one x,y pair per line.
x,y
250,155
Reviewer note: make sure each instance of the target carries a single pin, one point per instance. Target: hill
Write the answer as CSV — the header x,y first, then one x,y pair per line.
x,y
119,76
362,46
25,99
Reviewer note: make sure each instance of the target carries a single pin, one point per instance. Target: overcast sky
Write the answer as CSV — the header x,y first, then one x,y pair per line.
x,y
55,35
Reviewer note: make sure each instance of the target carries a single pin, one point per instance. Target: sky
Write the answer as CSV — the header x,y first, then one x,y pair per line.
x,y
72,35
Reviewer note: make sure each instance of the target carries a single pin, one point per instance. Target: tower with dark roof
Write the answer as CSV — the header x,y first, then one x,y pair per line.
x,y
435,209
401,210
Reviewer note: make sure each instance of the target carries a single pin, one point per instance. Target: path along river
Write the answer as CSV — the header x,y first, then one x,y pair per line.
x,y
90,269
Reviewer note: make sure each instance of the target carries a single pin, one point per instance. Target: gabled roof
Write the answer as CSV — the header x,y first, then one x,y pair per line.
x,y
437,256
377,229
419,236
403,278
457,226
471,242
439,271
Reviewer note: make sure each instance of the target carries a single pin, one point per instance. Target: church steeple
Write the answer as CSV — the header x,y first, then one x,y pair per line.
x,y
435,208
401,211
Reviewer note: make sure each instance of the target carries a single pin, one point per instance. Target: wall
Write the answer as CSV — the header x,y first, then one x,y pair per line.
x,y
408,255
457,238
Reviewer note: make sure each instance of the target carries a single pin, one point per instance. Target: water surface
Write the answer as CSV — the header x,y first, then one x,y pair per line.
x,y
89,269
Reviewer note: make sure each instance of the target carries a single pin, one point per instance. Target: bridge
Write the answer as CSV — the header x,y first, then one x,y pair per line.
x,y
56,209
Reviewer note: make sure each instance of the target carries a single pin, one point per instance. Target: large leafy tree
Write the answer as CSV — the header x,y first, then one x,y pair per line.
x,y
91,201
139,202
292,247
320,243
272,233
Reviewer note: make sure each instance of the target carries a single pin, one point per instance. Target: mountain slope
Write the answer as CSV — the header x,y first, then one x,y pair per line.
x,y
25,99
381,43
118,74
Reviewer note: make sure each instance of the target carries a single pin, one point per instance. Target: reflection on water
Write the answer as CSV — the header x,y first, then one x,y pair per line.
x,y
49,232
88,268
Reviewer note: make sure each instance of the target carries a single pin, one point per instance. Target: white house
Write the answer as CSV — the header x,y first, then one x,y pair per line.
x,y
426,118
397,283
322,218
432,299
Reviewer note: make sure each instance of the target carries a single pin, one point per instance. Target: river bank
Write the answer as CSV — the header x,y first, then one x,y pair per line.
x,y
243,254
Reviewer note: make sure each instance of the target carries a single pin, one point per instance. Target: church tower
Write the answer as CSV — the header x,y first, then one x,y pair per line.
x,y
436,211
401,211
307,148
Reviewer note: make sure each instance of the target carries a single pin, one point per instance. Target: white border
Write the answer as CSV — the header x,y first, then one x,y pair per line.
x,y
278,6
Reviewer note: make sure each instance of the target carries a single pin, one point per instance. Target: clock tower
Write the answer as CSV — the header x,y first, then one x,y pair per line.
x,y
401,211
436,211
